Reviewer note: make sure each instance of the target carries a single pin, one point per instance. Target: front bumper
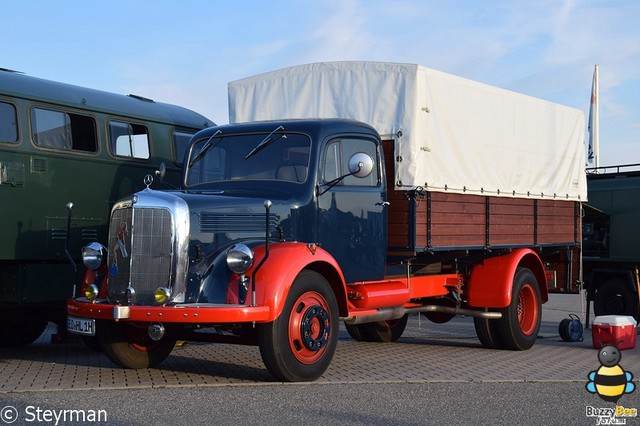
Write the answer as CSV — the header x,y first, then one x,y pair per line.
x,y
200,313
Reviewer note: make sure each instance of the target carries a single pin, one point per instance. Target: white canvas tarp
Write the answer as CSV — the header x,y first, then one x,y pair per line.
x,y
451,134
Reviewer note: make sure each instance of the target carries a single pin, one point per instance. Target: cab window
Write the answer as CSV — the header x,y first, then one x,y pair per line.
x,y
336,162
63,130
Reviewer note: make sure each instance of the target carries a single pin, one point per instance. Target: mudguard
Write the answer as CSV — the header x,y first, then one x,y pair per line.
x,y
286,260
491,281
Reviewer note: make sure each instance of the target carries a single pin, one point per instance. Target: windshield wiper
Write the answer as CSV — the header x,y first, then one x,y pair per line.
x,y
266,141
207,146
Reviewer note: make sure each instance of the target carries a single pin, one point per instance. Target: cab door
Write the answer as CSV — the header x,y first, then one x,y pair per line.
x,y
351,209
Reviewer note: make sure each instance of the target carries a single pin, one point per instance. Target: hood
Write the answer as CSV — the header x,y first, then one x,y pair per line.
x,y
220,219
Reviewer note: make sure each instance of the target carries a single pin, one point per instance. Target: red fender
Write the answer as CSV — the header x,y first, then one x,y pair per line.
x,y
491,281
286,260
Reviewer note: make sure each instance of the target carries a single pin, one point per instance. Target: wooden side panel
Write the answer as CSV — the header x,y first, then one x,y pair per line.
x,y
456,220
511,221
437,220
556,221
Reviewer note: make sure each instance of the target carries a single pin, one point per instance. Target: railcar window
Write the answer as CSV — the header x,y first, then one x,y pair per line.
x,y
63,130
181,140
8,123
129,139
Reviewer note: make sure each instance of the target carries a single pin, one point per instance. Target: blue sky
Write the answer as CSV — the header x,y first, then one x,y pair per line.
x,y
185,52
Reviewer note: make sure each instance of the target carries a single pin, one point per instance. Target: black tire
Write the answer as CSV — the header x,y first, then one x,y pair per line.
x,y
92,342
300,343
129,346
563,329
357,332
488,332
384,331
615,297
20,327
520,322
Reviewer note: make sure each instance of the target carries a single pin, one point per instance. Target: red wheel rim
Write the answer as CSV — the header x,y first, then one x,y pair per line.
x,y
309,327
527,309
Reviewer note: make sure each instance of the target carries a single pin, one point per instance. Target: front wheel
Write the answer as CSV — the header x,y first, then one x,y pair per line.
x,y
520,322
300,343
129,346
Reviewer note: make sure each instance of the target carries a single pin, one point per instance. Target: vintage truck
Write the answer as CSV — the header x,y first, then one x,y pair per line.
x,y
455,198
611,247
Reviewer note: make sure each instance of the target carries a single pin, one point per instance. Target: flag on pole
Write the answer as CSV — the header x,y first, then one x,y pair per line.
x,y
593,154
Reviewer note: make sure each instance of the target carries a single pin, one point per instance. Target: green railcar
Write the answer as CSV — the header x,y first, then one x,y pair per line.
x,y
611,240
69,152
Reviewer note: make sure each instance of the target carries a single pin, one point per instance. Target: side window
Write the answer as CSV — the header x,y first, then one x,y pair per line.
x,y
63,130
336,161
128,139
181,140
332,168
8,123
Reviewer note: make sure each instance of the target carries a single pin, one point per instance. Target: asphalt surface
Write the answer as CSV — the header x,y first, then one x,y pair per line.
x,y
435,374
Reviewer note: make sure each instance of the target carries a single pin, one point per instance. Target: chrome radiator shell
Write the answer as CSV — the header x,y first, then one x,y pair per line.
x,y
148,248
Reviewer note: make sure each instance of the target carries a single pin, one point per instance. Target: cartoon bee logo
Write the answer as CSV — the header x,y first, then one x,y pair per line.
x,y
610,381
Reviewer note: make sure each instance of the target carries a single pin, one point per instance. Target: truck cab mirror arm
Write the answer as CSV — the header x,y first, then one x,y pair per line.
x,y
321,188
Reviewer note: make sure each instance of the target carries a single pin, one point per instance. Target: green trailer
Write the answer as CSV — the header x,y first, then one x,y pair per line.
x,y
611,240
67,154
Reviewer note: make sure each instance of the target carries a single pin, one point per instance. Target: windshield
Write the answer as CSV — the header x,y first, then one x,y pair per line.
x,y
283,157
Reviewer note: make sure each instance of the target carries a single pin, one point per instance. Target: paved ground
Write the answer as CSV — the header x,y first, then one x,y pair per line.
x,y
427,352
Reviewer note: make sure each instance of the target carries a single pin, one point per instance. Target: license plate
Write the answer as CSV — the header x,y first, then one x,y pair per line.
x,y
85,327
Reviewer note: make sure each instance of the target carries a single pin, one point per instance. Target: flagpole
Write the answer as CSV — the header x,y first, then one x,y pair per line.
x,y
595,118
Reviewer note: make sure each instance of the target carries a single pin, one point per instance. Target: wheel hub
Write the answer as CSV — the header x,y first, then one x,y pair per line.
x,y
315,328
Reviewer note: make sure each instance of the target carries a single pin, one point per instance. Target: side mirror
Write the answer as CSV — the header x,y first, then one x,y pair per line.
x,y
162,170
360,165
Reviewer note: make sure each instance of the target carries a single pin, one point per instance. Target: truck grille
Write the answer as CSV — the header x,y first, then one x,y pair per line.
x,y
140,253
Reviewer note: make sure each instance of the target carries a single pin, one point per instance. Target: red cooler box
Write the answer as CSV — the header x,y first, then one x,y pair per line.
x,y
616,330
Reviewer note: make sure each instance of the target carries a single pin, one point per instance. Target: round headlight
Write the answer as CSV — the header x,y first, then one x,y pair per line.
x,y
239,258
93,255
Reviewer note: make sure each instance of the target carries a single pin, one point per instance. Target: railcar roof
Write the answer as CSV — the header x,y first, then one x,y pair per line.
x,y
15,84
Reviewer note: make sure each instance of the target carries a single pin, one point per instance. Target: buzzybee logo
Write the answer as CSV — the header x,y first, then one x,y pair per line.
x,y
610,382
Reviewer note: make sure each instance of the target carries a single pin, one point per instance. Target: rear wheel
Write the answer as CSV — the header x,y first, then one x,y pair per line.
x,y
615,297
357,332
129,346
488,332
520,322
381,331
300,343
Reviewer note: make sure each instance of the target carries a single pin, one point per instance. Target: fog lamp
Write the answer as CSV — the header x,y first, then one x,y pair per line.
x,y
161,295
239,258
91,292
